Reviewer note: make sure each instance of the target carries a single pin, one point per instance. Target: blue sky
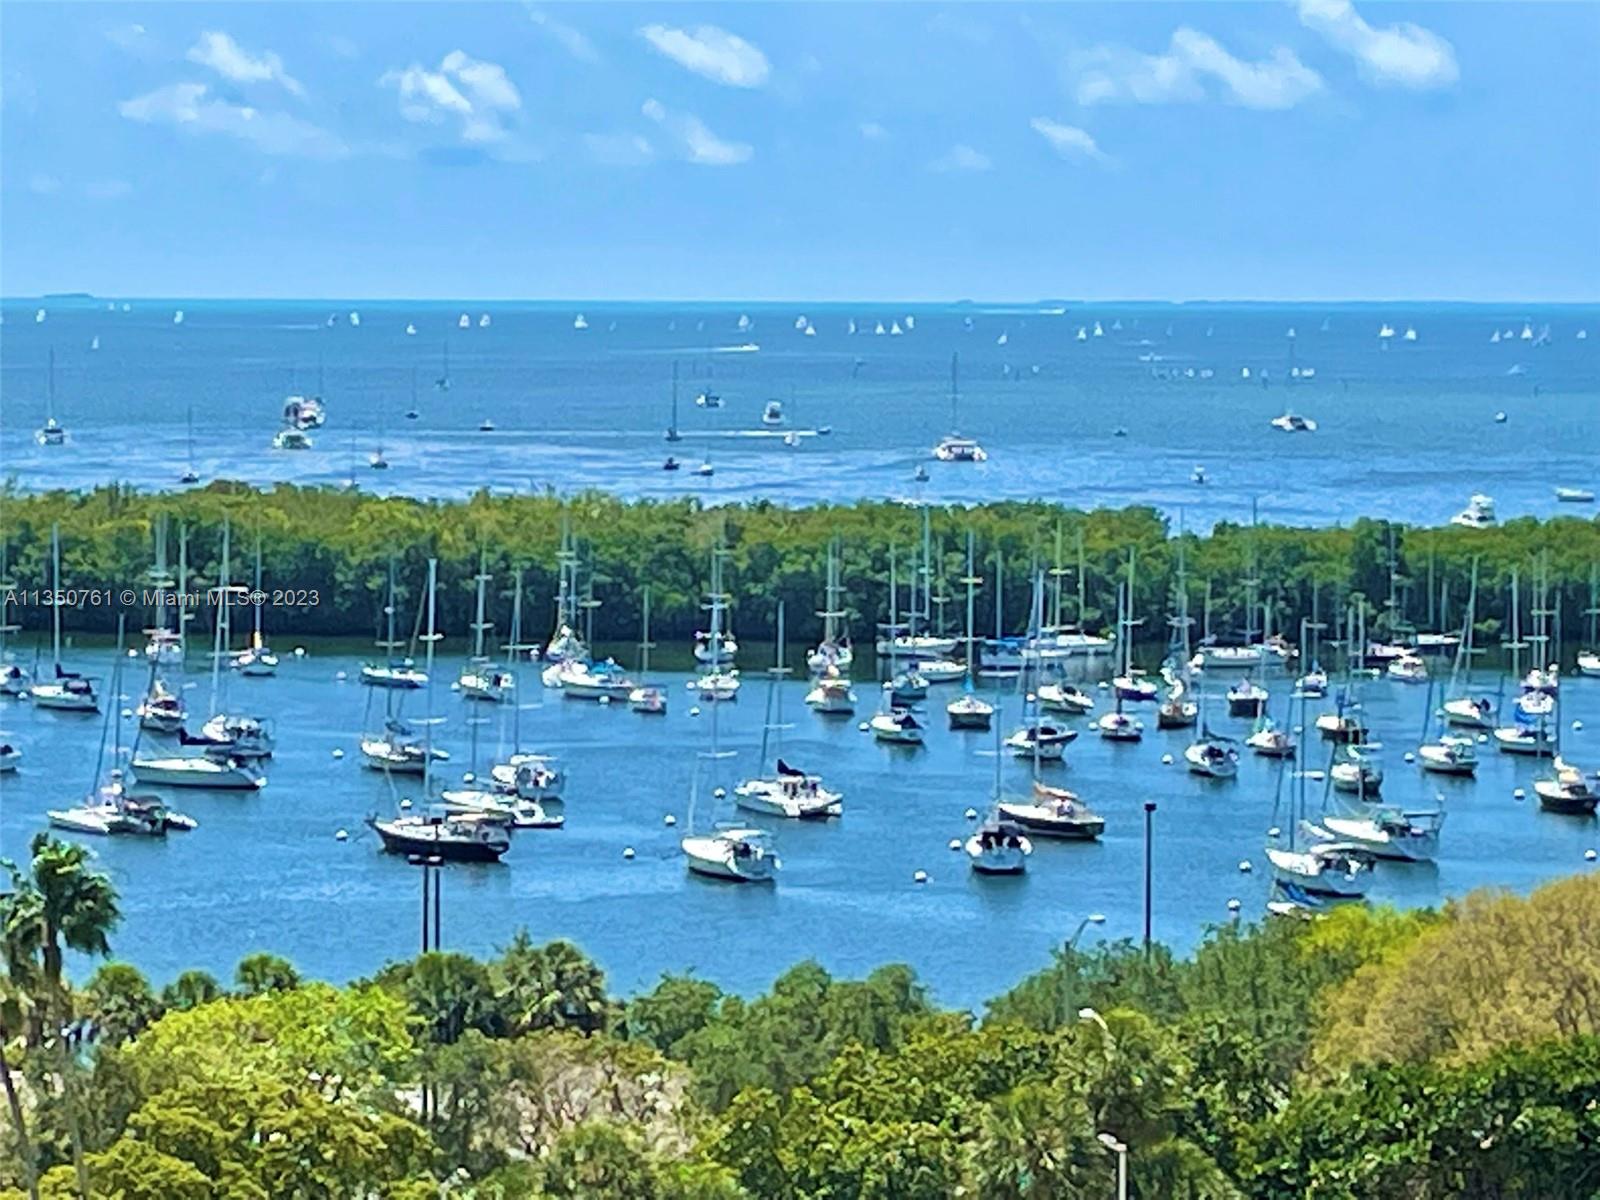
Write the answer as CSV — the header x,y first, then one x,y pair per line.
x,y
1306,149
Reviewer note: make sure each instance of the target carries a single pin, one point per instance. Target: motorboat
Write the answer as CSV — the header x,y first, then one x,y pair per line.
x,y
162,710
1212,757
487,682
1566,791
66,692
671,464
1177,713
530,776
111,811
718,685
457,837
400,673
304,412
291,439
1041,740
198,771
1408,668
1063,697
1572,495
1247,698
235,735
1465,712
1450,755
1478,514
649,700
1055,813
897,726
494,805
708,399
969,711
1389,833
1292,422
998,847
772,414
831,694
1358,772
789,792
735,855
1120,727
1271,741
486,426
1331,870
723,648
1213,657
399,751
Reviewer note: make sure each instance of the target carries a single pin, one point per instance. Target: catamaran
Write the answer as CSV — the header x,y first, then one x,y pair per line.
x,y
52,432
953,447
788,791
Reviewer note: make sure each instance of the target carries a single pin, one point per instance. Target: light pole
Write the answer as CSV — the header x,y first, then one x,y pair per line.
x,y
432,893
1120,1149
1149,813
1091,919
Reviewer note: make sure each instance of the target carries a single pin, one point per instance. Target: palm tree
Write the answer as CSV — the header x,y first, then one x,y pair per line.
x,y
14,1006
552,986
59,904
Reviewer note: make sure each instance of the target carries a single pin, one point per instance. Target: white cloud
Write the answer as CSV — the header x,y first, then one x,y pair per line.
x,y
237,65
873,132
476,94
718,55
44,185
1404,54
696,143
1117,74
571,40
961,157
619,149
1068,140
107,189
191,107
132,38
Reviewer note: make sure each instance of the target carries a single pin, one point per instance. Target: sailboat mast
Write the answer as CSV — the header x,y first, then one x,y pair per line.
x,y
257,605
55,600
221,623
971,581
50,388
479,624
432,636
955,419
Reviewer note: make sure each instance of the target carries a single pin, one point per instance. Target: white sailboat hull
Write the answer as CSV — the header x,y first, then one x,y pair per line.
x,y
197,773
714,858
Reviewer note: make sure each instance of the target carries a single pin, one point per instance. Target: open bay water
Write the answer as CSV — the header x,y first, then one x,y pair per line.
x,y
265,871
1407,429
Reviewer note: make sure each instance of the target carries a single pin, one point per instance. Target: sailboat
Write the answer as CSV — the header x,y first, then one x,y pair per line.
x,y
394,671
1330,870
565,645
998,846
731,853
835,649
953,447
672,426
1036,738
1116,725
969,710
52,432
482,679
1589,659
647,698
64,691
376,461
443,382
1211,756
190,475
788,791
1528,734
1463,710
257,659
720,680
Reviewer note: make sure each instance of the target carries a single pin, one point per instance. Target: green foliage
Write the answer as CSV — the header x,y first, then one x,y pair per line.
x,y
259,973
554,986
190,990
119,1001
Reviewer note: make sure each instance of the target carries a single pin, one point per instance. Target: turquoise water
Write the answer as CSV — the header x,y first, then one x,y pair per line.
x,y
1407,429
266,870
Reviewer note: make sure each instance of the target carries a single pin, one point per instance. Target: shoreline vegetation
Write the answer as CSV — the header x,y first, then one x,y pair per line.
x,y
338,544
1362,1054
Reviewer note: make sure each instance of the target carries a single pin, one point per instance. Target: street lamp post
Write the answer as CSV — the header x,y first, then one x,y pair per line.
x,y
1091,919
1120,1149
1149,813
432,894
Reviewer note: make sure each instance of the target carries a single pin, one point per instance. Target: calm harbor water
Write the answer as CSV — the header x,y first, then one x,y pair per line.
x,y
266,871
1407,427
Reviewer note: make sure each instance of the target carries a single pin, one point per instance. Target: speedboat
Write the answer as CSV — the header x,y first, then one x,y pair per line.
x,y
649,700
1214,758
1389,833
201,771
1041,740
1572,495
494,805
1292,422
969,711
998,847
67,692
530,776
1478,514
1408,668
398,673
772,414
291,439
1054,812
1120,727
1269,741
831,695
1334,870
1358,772
1567,791
1450,755
1064,697
162,710
718,685
111,811
898,726
736,855
1466,713
256,661
459,837
789,793
487,682
955,448
1247,699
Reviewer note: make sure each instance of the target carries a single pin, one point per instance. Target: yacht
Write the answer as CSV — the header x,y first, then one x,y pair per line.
x,y
1531,740
1478,514
1292,422
1053,812
953,447
66,692
530,776
256,661
1134,688
715,648
1390,833
495,805
487,682
51,433
1212,657
1212,757
1572,495
648,700
718,685
455,838
735,855
1588,664
789,793
594,681
908,687
998,847
897,726
234,736
705,469
831,695
1465,712
1343,726
969,711
772,414
199,771
1566,791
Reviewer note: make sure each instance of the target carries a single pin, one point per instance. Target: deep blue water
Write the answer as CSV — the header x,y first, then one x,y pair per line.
x,y
1407,429
266,871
